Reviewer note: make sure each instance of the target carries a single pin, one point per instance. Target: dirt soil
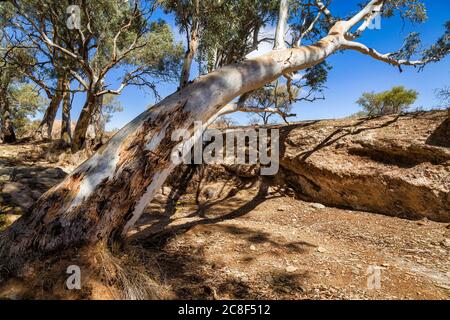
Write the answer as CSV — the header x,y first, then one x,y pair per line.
x,y
248,239
259,244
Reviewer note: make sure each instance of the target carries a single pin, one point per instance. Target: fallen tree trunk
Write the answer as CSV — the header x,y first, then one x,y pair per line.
x,y
106,194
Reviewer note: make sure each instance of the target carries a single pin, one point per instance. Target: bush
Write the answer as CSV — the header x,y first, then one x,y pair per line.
x,y
393,101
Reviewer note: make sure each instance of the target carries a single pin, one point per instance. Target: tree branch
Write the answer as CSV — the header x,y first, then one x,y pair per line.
x,y
281,25
387,57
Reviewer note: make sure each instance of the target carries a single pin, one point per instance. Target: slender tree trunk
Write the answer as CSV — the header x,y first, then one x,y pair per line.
x,y
79,136
188,58
193,42
66,123
7,129
281,25
106,195
45,128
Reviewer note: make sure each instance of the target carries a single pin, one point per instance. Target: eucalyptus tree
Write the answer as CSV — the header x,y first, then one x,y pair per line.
x,y
269,100
105,36
237,29
46,69
7,133
18,99
218,32
102,199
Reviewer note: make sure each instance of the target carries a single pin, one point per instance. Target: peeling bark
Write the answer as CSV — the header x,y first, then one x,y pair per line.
x,y
188,58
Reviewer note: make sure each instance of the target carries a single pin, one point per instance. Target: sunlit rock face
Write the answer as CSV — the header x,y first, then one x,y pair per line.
x,y
394,165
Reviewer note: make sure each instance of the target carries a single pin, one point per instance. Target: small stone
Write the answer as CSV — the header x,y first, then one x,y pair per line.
x,y
280,209
445,243
253,248
318,206
291,269
321,249
286,290
385,265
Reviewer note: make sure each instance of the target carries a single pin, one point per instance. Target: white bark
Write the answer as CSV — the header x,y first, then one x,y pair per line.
x,y
280,32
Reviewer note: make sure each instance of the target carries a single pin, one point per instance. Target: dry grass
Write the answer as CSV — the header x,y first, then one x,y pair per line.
x,y
125,271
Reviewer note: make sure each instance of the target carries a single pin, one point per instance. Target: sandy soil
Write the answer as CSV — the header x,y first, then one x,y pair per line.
x,y
259,244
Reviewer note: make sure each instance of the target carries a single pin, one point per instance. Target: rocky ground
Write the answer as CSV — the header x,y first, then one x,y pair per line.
x,y
260,244
313,232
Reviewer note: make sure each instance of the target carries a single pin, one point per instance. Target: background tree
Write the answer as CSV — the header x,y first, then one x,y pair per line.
x,y
270,100
26,102
393,101
110,34
443,94
219,32
18,100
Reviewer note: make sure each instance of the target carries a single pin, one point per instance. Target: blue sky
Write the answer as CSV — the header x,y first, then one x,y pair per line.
x,y
352,73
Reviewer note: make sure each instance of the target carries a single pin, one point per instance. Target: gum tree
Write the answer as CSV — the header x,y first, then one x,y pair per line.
x,y
106,195
112,35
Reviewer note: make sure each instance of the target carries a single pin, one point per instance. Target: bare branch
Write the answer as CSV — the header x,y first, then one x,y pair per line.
x,y
236,107
324,8
387,57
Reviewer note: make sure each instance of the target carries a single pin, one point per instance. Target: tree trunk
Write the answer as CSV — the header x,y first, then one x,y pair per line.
x,y
66,123
106,195
193,42
280,31
45,128
188,58
7,129
95,130
79,136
